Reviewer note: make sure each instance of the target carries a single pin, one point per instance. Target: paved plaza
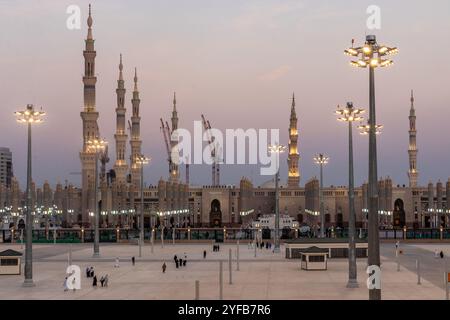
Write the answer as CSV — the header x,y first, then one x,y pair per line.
x,y
268,276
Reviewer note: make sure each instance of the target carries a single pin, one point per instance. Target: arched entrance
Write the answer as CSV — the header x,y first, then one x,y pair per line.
x,y
399,214
215,215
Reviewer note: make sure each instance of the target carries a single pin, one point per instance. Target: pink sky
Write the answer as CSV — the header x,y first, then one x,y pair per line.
x,y
237,62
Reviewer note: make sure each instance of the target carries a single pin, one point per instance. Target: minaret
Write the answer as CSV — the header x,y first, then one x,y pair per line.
x,y
174,172
135,140
293,157
89,117
120,167
412,150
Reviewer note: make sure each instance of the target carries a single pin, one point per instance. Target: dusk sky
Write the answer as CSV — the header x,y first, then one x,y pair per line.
x,y
238,63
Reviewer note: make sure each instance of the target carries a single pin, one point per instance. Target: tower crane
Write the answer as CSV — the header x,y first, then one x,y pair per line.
x,y
215,169
166,134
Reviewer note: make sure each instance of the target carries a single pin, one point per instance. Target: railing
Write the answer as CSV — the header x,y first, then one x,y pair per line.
x,y
207,234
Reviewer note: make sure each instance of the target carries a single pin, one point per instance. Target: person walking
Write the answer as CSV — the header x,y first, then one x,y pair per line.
x,y
181,262
117,265
164,267
88,272
66,288
102,280
441,254
185,260
204,254
436,253
91,272
106,280
94,282
133,260
176,263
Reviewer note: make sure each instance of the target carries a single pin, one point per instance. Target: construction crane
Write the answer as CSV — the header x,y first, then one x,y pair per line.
x,y
187,170
215,168
166,134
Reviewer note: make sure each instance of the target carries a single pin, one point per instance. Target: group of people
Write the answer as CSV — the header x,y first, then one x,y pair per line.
x,y
262,245
216,248
91,274
179,262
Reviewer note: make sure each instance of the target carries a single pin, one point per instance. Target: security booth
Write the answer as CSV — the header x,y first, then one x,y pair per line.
x,y
10,262
314,258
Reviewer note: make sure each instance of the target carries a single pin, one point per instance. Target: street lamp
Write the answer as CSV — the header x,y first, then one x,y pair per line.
x,y
372,55
141,160
96,146
29,116
350,114
321,160
277,149
365,129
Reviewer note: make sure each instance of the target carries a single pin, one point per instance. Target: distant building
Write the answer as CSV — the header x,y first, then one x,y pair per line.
x,y
6,167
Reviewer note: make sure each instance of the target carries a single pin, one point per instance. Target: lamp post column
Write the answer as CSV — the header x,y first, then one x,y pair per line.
x,y
373,237
96,217
29,223
141,231
352,273
277,211
322,216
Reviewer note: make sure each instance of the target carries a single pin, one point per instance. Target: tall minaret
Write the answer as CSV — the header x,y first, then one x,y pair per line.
x,y
293,157
412,150
89,117
174,171
120,167
135,140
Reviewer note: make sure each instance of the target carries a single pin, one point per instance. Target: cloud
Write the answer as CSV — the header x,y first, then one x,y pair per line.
x,y
276,73
269,16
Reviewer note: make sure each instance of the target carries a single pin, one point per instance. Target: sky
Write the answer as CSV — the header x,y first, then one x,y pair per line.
x,y
237,62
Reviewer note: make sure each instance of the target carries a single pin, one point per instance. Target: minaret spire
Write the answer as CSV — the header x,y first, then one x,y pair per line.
x,y
175,174
89,23
120,166
89,117
293,157
135,80
135,140
413,173
120,69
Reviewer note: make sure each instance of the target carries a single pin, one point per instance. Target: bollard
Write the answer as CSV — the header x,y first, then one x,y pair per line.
x,y
70,254
197,290
221,280
418,271
229,265
237,257
153,238
446,285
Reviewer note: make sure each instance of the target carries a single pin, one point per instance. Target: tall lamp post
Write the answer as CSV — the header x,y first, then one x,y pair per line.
x,y
141,161
321,160
96,146
29,116
277,149
350,114
372,55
